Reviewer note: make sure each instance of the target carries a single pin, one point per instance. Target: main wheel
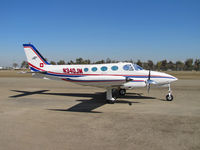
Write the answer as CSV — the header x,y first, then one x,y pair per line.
x,y
122,92
115,93
169,97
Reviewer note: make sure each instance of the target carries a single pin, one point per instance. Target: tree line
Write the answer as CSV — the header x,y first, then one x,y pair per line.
x,y
163,65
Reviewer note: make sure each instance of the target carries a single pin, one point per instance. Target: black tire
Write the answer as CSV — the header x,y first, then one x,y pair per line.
x,y
115,93
169,98
122,92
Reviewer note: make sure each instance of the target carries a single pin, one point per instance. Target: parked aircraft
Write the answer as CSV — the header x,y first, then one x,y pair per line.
x,y
116,78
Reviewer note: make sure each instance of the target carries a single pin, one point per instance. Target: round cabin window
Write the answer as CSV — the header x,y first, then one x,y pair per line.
x,y
104,68
114,68
94,69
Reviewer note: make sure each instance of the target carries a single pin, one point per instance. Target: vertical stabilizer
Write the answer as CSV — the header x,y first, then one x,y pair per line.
x,y
35,60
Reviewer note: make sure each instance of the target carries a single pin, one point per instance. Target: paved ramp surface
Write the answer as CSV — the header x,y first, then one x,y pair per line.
x,y
41,114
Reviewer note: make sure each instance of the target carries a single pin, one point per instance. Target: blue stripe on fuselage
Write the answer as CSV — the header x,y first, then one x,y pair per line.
x,y
33,69
64,75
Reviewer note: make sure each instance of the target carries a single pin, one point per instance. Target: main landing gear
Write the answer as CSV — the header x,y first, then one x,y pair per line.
x,y
169,96
122,92
112,94
109,96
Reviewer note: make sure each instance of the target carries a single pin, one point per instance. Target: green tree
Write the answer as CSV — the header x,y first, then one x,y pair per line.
x,y
158,65
197,65
171,65
15,65
100,62
179,65
139,63
82,61
24,64
87,61
145,65
61,62
150,65
52,62
163,65
70,62
130,61
108,60
79,61
188,64
114,61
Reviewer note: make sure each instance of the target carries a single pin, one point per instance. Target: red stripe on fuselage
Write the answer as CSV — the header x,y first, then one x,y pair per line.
x,y
35,67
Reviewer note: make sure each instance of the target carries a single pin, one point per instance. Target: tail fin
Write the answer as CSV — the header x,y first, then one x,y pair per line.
x,y
35,60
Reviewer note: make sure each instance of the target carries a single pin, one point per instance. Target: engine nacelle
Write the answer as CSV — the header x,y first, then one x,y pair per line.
x,y
133,84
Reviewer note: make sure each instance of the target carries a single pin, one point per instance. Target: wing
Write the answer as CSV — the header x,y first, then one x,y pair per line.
x,y
99,81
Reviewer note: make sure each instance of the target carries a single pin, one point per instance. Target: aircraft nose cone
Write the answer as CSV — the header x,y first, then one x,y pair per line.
x,y
162,78
174,78
169,78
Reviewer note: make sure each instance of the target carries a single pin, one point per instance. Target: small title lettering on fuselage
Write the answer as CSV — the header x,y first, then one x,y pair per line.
x,y
73,70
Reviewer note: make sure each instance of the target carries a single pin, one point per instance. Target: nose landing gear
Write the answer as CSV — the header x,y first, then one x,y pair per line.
x,y
169,96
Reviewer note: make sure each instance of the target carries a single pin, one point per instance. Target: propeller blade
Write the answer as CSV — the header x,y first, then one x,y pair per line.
x,y
149,77
148,88
149,81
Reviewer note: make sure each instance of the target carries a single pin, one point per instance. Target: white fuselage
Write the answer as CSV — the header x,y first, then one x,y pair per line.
x,y
104,75
112,76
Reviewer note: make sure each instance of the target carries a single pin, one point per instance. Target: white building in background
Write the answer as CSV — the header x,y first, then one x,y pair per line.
x,y
1,68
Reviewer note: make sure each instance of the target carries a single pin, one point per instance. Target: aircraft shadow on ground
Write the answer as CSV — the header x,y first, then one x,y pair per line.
x,y
88,105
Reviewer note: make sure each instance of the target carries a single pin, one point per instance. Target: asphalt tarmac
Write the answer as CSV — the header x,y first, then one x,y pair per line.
x,y
44,115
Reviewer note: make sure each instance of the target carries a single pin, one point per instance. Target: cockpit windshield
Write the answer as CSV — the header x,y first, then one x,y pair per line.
x,y
137,67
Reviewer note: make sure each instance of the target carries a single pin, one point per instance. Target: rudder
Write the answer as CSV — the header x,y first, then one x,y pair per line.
x,y
35,60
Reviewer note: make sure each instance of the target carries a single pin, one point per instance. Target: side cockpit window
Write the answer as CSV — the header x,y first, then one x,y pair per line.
x,y
128,67
137,67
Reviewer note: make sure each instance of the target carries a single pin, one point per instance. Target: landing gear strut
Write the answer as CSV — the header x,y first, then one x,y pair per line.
x,y
113,93
109,96
169,96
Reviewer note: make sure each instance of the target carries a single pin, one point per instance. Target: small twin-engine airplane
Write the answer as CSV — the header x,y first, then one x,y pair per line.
x,y
113,77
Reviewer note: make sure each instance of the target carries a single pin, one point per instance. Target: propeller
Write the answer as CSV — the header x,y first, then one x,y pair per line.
x,y
149,81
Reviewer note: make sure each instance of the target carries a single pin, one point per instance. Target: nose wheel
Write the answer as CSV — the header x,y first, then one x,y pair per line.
x,y
169,96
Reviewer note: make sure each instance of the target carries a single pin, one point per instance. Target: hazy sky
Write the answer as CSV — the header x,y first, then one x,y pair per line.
x,y
98,29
